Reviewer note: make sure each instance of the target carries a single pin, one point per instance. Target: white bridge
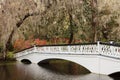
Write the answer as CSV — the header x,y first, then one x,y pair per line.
x,y
101,58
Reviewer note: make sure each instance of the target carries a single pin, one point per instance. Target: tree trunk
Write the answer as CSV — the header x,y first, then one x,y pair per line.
x,y
4,53
18,24
71,29
94,19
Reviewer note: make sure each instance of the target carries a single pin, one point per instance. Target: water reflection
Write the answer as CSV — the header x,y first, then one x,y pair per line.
x,y
63,67
20,71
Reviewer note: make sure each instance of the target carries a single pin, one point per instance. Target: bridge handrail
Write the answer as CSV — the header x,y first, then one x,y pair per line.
x,y
110,50
24,52
88,48
77,49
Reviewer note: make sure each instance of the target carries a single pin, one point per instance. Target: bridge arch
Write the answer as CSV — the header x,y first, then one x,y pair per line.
x,y
44,61
26,61
115,74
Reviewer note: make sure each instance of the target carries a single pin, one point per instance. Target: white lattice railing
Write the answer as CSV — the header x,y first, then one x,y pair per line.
x,y
69,49
110,50
86,49
24,52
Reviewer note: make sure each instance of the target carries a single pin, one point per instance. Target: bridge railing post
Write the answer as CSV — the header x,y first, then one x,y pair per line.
x,y
69,49
81,49
98,47
112,49
35,49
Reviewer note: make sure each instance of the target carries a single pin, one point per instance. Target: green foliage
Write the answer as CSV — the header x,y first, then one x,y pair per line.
x,y
112,23
10,55
10,47
54,22
105,12
88,10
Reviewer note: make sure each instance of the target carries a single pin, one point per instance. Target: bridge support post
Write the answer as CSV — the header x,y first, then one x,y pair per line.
x,y
69,48
99,60
81,49
35,48
98,47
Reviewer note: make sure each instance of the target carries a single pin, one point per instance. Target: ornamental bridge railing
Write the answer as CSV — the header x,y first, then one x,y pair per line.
x,y
104,49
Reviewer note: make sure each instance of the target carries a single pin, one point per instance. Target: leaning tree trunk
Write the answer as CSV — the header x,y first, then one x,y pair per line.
x,y
4,52
94,19
8,44
18,24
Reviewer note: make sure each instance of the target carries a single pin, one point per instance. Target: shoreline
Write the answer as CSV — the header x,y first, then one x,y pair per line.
x,y
7,60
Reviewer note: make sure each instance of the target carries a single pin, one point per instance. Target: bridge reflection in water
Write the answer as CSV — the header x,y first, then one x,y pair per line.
x,y
63,67
97,57
36,72
19,71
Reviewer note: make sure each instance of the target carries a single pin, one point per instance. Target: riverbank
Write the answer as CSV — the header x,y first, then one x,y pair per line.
x,y
7,60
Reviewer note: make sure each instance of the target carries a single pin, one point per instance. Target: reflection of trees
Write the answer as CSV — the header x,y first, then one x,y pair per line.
x,y
14,72
4,72
76,69
63,67
73,69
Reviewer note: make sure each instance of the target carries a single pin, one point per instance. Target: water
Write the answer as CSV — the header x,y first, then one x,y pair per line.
x,y
20,71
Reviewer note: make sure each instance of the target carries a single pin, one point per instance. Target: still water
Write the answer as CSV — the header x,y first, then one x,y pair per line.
x,y
20,71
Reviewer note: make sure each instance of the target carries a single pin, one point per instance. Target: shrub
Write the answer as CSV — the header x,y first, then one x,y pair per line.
x,y
10,55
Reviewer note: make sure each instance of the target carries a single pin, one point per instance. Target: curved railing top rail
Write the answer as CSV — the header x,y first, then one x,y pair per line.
x,y
24,49
111,44
106,49
101,43
67,44
56,45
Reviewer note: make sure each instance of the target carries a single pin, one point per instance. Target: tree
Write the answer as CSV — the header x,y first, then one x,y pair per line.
x,y
94,21
108,23
72,19
30,10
